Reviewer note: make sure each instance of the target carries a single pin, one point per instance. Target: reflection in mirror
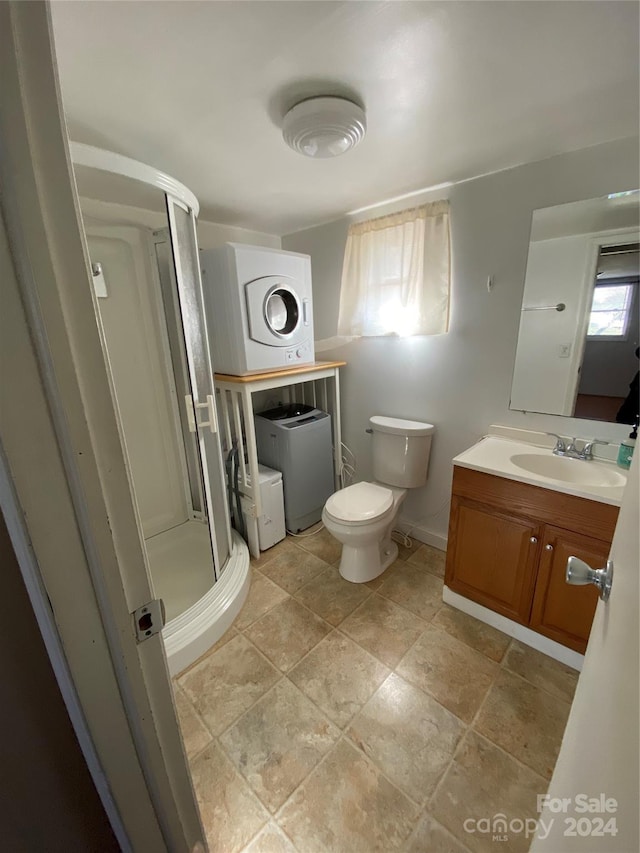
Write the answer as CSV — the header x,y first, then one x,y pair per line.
x,y
577,349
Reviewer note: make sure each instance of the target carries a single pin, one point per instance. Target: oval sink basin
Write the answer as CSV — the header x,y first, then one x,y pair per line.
x,y
569,470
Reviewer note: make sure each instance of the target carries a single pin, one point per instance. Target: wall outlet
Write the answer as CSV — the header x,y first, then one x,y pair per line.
x,y
564,350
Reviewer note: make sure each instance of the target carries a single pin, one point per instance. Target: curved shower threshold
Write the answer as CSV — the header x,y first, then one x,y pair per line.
x,y
192,633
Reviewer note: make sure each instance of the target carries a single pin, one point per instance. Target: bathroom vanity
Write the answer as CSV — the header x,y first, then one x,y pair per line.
x,y
512,530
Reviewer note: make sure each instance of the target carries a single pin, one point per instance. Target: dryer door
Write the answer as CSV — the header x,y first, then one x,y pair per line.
x,y
277,314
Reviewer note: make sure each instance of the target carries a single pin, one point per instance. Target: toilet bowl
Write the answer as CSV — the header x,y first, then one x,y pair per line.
x,y
362,516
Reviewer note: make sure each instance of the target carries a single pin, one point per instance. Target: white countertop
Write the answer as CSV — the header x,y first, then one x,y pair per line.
x,y
493,455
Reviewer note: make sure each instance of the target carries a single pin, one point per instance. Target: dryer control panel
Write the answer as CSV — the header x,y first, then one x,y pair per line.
x,y
302,353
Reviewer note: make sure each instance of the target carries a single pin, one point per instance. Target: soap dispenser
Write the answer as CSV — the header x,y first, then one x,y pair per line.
x,y
626,448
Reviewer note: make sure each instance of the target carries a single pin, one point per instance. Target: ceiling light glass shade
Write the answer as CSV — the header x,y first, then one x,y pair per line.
x,y
324,127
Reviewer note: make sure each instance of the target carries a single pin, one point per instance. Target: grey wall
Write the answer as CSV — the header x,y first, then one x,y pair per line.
x,y
48,801
461,381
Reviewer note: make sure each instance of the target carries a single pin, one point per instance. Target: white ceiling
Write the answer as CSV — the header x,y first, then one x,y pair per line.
x,y
452,90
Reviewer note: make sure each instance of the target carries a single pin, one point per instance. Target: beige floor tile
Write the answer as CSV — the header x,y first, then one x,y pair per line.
x,y
322,545
278,742
227,682
456,675
285,546
339,677
286,633
542,670
347,806
228,635
431,837
428,558
524,720
263,595
417,590
383,628
482,782
293,568
408,735
230,811
404,551
478,635
270,840
331,596
194,732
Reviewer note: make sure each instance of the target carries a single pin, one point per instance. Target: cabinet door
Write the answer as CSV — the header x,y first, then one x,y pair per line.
x,y
561,612
492,557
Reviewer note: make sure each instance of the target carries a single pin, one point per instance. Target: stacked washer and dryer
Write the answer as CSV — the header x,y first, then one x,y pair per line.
x,y
259,302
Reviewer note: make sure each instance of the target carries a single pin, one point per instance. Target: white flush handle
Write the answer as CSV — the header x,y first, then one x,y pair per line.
x,y
305,312
580,573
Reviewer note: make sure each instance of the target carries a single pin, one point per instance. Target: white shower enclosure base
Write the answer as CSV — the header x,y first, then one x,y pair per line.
x,y
189,635
181,565
197,612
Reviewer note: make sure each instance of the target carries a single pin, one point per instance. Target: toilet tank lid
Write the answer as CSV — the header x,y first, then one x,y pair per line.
x,y
398,426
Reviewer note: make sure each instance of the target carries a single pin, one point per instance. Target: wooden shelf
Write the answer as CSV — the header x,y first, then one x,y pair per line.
x,y
279,374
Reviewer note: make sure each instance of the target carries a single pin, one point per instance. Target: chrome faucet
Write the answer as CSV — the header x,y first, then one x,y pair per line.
x,y
571,451
561,448
587,450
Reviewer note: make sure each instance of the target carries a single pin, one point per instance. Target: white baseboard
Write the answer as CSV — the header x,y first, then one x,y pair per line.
x,y
436,540
513,629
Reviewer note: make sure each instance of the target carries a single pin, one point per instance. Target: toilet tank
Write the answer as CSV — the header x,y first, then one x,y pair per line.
x,y
400,451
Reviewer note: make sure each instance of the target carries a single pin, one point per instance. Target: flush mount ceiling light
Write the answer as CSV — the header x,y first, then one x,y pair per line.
x,y
324,126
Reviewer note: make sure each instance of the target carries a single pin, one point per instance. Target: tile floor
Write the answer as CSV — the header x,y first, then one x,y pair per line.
x,y
343,718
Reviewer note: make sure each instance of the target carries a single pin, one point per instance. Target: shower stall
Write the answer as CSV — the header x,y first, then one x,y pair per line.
x,y
149,305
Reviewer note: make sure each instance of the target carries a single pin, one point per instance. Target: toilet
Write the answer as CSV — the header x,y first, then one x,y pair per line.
x,y
362,516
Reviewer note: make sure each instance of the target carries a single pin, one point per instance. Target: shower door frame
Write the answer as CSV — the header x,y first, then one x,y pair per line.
x,y
175,363
200,374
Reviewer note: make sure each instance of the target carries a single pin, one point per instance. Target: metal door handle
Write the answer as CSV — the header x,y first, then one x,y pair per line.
x,y
580,573
534,540
548,547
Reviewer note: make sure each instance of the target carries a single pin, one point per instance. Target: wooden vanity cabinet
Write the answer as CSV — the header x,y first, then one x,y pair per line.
x,y
509,543
559,611
487,540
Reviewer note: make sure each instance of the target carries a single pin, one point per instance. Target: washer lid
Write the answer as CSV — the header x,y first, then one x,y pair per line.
x,y
359,502
398,426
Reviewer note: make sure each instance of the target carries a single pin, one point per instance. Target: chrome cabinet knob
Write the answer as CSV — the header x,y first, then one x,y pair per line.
x,y
534,540
548,547
580,573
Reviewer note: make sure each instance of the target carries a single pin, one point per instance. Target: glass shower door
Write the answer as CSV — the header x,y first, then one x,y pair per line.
x,y
200,401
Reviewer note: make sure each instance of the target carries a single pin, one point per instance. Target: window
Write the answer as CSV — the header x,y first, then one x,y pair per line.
x,y
610,310
396,274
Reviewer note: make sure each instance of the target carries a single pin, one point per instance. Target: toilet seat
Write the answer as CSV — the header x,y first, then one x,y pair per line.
x,y
360,503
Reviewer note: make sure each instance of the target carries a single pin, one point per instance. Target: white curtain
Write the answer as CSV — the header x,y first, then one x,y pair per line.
x,y
396,274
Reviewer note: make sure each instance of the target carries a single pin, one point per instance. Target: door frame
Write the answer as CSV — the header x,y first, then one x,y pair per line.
x,y
596,242
66,495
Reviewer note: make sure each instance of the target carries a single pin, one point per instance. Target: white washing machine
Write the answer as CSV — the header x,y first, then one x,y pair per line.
x,y
259,308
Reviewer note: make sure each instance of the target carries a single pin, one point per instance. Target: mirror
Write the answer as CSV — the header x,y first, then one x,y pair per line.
x,y
577,349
